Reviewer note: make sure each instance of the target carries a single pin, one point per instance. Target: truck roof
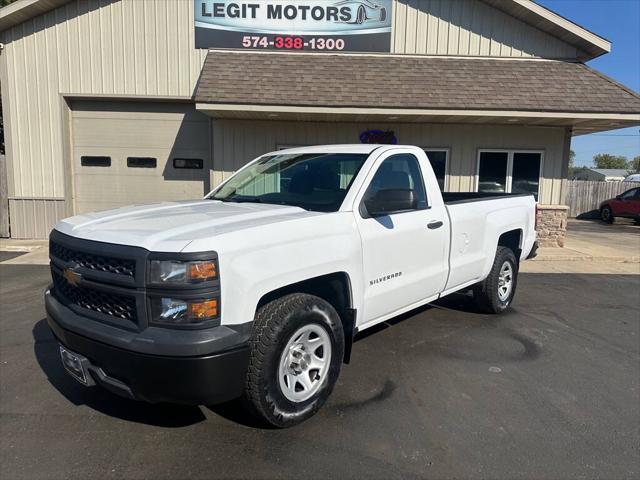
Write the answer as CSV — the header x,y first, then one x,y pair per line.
x,y
340,148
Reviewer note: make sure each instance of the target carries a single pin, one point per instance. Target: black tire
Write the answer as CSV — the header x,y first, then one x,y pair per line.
x,y
486,294
274,325
606,214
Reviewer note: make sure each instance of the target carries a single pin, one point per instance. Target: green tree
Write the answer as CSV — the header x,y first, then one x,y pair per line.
x,y
635,164
572,163
4,3
606,160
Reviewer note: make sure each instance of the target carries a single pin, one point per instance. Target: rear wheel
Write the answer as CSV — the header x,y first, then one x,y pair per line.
x,y
495,293
297,346
606,214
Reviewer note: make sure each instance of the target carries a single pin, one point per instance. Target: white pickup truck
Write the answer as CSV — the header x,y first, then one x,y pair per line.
x,y
258,290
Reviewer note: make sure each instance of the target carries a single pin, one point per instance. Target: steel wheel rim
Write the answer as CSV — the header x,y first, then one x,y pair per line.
x,y
605,213
505,281
304,363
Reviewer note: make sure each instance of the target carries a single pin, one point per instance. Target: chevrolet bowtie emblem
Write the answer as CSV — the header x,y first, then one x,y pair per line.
x,y
72,276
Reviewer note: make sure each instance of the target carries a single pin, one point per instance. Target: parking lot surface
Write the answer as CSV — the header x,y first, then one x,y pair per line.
x,y
622,237
548,390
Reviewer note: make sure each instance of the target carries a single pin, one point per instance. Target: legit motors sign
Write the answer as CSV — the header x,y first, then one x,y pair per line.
x,y
296,25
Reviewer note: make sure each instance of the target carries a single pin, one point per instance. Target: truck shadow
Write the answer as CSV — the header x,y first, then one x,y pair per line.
x,y
468,324
160,415
460,302
176,416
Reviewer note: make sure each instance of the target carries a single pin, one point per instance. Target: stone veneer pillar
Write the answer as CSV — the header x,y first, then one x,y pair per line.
x,y
551,224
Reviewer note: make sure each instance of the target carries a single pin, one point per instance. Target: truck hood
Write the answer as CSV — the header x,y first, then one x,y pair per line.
x,y
171,226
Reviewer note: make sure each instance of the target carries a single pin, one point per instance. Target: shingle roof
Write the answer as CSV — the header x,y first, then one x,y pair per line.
x,y
409,82
611,172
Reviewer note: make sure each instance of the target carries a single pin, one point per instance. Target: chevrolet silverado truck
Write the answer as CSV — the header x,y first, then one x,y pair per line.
x,y
257,291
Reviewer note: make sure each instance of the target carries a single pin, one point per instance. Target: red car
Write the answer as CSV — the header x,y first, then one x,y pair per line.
x,y
626,205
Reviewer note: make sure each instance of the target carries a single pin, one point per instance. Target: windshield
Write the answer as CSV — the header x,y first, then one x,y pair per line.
x,y
313,181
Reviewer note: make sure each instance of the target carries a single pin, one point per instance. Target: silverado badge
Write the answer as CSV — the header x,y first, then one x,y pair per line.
x,y
72,276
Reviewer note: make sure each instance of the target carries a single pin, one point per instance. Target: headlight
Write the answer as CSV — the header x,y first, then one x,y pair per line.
x,y
170,272
171,311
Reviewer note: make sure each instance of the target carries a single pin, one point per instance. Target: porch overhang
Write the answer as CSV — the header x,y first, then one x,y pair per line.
x,y
580,123
411,89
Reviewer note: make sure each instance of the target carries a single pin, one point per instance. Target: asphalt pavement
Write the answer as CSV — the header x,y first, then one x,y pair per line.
x,y
548,390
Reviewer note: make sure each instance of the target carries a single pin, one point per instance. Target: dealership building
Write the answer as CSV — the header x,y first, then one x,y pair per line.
x,y
113,102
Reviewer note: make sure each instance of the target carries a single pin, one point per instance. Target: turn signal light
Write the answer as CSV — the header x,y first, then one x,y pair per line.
x,y
202,271
203,310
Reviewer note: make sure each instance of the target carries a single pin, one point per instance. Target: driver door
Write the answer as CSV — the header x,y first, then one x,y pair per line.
x,y
405,253
628,202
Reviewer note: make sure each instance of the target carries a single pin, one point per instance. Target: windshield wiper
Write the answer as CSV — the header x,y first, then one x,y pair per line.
x,y
246,200
238,199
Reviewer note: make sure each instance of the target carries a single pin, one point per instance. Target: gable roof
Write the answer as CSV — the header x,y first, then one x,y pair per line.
x,y
548,21
526,10
22,10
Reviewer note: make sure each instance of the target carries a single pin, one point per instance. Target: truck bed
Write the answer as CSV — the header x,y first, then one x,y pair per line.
x,y
477,221
452,198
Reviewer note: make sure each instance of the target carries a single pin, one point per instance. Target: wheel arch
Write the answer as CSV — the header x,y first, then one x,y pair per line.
x,y
512,239
334,288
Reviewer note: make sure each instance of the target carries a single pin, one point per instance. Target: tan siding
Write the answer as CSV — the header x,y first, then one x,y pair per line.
x,y
127,47
235,142
34,218
469,27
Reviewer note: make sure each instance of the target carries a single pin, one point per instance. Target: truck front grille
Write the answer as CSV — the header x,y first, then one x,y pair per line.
x,y
113,305
99,263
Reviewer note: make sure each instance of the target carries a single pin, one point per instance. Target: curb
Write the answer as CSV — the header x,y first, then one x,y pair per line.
x,y
585,258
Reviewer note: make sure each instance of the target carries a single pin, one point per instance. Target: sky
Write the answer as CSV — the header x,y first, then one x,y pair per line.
x,y
619,22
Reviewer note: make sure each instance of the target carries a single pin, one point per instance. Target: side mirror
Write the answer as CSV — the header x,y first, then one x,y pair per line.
x,y
386,202
618,197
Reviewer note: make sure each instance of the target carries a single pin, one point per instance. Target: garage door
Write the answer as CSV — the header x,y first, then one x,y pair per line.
x,y
136,152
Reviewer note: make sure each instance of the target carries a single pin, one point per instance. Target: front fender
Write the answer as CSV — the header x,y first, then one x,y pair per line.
x,y
255,263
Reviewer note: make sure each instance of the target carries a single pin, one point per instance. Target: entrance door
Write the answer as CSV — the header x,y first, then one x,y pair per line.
x,y
404,252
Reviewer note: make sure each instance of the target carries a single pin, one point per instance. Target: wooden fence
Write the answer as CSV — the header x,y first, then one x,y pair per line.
x,y
584,197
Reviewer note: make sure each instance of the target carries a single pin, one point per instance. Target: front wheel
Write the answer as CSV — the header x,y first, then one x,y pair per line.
x,y
606,214
296,351
495,293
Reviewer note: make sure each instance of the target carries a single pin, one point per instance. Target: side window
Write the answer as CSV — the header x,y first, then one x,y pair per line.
x,y
94,161
399,172
628,195
438,160
142,162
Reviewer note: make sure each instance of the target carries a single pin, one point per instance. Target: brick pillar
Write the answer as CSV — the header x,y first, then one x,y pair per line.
x,y
552,225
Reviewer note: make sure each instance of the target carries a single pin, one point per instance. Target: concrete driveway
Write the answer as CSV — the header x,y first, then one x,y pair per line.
x,y
548,390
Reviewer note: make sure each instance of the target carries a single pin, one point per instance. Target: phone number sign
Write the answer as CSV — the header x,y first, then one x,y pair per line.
x,y
303,25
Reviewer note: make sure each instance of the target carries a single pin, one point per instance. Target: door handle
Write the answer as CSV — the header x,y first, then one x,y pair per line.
x,y
434,225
